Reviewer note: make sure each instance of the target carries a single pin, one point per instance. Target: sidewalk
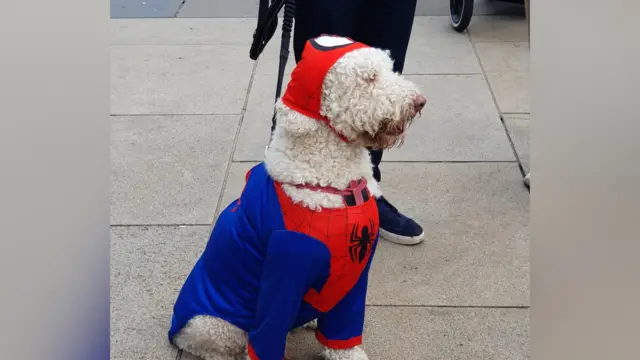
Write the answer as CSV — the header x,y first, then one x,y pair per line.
x,y
191,113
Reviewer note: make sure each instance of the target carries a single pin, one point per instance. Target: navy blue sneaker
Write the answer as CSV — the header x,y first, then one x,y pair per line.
x,y
396,227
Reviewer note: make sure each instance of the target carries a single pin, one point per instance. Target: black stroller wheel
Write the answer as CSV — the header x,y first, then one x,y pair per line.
x,y
461,12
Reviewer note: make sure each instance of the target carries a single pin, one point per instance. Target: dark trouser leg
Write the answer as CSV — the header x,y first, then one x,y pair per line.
x,y
383,24
387,25
317,17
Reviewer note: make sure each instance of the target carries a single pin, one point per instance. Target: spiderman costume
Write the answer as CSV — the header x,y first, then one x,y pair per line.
x,y
271,266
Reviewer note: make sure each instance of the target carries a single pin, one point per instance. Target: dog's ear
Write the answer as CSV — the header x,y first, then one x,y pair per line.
x,y
293,121
369,63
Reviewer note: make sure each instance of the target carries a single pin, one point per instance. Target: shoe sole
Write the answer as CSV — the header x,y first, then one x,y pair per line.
x,y
399,239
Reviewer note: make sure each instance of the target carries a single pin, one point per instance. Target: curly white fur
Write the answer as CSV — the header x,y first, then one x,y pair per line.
x,y
305,151
355,353
367,103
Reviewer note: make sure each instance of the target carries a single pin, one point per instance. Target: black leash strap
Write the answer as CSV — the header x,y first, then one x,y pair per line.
x,y
287,26
267,24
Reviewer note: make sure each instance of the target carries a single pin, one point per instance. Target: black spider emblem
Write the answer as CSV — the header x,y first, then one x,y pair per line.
x,y
360,244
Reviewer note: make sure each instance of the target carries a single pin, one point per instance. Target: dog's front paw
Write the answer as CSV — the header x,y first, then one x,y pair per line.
x,y
312,325
355,353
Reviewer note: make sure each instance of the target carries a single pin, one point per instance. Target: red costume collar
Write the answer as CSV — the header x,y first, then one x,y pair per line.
x,y
304,91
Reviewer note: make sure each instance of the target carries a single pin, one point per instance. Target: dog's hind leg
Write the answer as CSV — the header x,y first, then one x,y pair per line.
x,y
212,339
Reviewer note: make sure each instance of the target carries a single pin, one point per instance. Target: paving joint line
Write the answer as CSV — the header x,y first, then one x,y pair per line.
x,y
449,161
209,114
157,225
442,74
516,113
175,16
495,102
513,146
417,161
435,306
497,42
187,44
235,140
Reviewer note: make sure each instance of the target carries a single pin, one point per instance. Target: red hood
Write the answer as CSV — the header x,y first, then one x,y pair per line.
x,y
304,91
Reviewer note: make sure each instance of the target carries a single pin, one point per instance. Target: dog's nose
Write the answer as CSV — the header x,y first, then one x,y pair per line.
x,y
419,102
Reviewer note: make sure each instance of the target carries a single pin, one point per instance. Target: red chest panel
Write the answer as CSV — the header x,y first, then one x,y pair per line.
x,y
349,233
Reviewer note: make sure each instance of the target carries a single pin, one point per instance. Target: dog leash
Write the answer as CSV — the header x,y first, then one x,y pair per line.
x,y
267,24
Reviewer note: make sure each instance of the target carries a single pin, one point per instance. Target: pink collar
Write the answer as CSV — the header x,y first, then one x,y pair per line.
x,y
355,189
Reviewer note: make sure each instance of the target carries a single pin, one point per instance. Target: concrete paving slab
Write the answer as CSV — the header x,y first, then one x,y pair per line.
x,y
256,124
148,267
400,333
498,29
503,56
144,8
249,8
506,65
476,246
435,48
179,79
183,32
459,123
519,130
219,9
511,91
168,169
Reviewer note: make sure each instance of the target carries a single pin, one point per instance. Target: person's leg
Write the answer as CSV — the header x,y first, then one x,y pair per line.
x,y
380,23
387,25
316,17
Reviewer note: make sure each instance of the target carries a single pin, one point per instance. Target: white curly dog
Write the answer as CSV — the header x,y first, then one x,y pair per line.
x,y
268,270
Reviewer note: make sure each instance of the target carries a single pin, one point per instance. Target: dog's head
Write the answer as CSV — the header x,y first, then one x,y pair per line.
x,y
354,89
366,101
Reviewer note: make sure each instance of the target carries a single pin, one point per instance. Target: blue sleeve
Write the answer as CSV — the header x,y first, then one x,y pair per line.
x,y
342,326
293,262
